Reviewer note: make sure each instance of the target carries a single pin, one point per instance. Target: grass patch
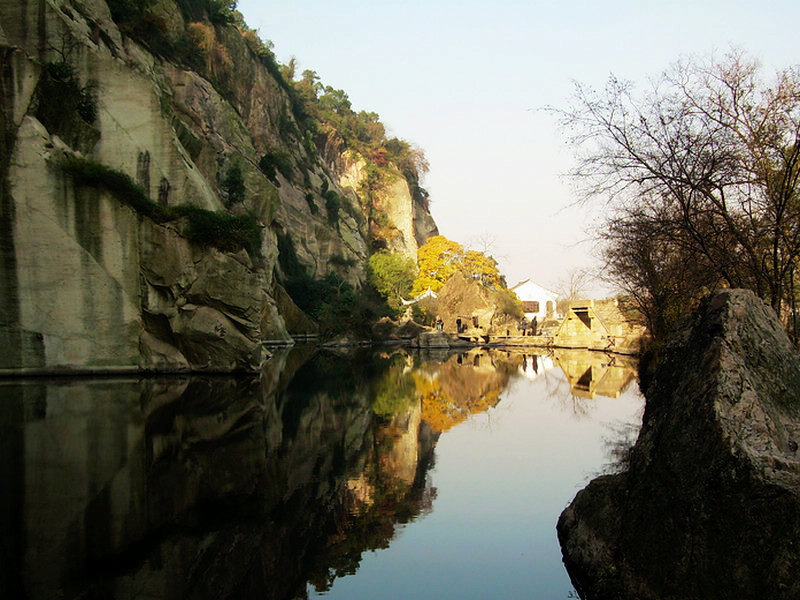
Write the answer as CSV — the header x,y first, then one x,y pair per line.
x,y
218,229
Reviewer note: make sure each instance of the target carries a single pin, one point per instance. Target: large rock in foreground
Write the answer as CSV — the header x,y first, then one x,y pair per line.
x,y
710,506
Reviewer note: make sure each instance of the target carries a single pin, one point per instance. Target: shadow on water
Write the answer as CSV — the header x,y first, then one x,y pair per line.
x,y
228,487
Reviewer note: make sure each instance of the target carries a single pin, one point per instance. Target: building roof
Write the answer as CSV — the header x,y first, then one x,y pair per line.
x,y
528,288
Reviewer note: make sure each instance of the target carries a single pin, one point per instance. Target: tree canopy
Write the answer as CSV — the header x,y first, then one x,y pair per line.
x,y
391,274
440,258
701,173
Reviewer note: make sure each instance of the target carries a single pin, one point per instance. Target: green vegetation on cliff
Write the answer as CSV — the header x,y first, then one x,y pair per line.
x,y
222,230
313,136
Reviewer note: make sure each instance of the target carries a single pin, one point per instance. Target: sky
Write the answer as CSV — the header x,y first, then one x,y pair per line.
x,y
469,83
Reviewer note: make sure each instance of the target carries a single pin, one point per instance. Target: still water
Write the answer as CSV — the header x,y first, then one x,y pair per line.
x,y
380,474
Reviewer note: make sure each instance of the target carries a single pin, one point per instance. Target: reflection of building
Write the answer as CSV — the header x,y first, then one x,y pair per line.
x,y
594,373
598,325
537,301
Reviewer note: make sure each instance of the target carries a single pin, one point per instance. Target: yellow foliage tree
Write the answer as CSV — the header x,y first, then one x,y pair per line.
x,y
438,260
483,268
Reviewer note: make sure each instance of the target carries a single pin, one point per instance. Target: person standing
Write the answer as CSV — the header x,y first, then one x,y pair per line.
x,y
534,325
523,325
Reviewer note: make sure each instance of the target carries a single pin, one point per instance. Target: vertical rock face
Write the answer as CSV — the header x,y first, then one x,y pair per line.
x,y
710,506
86,282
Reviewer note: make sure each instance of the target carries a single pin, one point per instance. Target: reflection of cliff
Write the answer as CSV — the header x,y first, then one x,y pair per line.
x,y
466,384
392,488
203,487
594,373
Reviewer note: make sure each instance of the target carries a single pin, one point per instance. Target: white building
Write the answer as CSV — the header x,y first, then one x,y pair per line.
x,y
537,301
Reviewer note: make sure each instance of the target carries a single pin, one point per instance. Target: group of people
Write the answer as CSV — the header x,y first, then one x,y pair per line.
x,y
531,327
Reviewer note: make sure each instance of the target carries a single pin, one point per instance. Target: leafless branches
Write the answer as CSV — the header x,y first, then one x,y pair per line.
x,y
701,174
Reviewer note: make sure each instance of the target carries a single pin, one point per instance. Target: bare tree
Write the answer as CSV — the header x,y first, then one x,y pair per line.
x,y
706,163
572,287
646,257
483,242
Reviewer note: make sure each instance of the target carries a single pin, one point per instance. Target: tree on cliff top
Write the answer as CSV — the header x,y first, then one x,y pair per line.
x,y
702,173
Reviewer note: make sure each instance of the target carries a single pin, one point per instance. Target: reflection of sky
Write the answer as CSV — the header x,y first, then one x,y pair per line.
x,y
503,477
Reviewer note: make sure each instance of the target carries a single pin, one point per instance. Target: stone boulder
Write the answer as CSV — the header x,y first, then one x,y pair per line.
x,y
432,339
710,504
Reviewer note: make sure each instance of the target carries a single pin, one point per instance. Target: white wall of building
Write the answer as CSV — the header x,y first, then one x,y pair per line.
x,y
535,300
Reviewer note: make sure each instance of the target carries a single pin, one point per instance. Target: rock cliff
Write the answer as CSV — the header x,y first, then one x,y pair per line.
x,y
710,505
192,116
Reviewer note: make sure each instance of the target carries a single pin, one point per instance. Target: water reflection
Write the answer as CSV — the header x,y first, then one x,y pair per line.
x,y
227,487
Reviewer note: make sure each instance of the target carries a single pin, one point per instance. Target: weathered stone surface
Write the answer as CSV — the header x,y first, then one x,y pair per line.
x,y
424,225
710,506
297,322
86,282
75,276
433,339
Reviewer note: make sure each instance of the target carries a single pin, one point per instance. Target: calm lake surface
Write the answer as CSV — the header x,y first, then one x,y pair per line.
x,y
368,474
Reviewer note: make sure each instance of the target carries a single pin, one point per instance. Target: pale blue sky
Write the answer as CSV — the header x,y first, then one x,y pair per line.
x,y
465,81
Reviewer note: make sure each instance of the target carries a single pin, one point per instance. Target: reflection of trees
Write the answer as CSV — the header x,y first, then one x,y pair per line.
x,y
250,487
244,486
619,444
394,389
466,384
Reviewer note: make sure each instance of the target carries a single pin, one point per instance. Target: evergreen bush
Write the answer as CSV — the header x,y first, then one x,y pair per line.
x,y
274,161
61,98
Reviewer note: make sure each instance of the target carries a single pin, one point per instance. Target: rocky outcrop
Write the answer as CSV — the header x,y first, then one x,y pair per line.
x,y
710,505
469,308
404,223
86,282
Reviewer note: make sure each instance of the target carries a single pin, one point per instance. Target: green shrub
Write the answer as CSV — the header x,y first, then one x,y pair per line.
x,y
308,294
135,18
311,204
286,126
336,306
233,185
508,304
221,12
274,161
62,98
222,230
392,275
120,185
287,258
332,205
